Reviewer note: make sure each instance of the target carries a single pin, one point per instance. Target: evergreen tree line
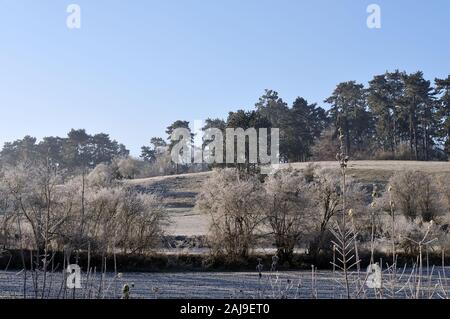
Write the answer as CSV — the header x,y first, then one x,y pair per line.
x,y
396,116
79,150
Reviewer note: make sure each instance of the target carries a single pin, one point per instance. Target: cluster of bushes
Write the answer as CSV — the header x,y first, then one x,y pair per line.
x,y
299,210
131,168
80,152
295,209
44,210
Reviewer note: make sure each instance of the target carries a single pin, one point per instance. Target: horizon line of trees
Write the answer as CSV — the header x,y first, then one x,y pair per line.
x,y
78,151
397,116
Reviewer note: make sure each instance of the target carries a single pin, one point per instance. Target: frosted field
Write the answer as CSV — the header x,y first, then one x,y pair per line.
x,y
230,285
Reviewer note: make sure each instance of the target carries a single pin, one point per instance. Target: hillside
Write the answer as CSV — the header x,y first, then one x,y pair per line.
x,y
179,191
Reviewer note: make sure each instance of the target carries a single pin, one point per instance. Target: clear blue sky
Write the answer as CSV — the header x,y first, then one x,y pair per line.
x,y
136,66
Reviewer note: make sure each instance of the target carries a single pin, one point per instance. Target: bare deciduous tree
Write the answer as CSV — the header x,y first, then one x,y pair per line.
x,y
415,194
235,206
287,211
326,203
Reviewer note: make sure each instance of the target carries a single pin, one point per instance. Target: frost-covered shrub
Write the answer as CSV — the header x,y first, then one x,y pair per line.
x,y
102,175
235,205
444,187
310,171
326,202
59,213
40,200
411,232
129,167
119,217
7,225
416,195
287,210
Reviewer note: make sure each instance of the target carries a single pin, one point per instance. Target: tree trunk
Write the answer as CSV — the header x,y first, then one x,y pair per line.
x,y
347,136
410,136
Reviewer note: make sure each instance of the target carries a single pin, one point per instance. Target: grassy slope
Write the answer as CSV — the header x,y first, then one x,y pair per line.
x,y
179,191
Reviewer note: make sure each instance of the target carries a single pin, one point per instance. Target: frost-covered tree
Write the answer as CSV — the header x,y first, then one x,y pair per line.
x,y
235,205
287,210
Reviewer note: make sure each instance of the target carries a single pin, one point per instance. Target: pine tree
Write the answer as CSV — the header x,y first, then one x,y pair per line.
x,y
443,132
349,112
